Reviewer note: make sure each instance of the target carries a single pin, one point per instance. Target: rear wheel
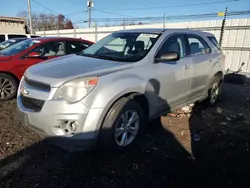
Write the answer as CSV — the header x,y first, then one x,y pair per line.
x,y
122,125
8,87
214,91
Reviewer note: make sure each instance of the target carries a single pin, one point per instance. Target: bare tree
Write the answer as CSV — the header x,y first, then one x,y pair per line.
x,y
45,22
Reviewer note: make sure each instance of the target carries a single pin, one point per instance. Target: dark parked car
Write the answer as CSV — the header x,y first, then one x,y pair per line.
x,y
15,59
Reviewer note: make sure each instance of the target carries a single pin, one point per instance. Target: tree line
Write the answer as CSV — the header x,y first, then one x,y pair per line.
x,y
49,21
46,22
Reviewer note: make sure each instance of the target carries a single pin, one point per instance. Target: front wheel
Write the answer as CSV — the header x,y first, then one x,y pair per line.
x,y
122,125
8,87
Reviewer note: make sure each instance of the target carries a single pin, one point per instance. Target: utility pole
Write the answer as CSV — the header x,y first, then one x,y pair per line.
x,y
164,21
223,27
30,17
124,23
90,5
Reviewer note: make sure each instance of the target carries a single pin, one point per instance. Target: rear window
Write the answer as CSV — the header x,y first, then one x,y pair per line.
x,y
16,36
215,42
2,38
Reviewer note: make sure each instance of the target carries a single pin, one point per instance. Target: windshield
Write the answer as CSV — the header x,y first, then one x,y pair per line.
x,y
18,47
128,47
8,43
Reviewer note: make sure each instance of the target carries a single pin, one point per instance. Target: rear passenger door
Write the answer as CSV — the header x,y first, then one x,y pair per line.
x,y
201,57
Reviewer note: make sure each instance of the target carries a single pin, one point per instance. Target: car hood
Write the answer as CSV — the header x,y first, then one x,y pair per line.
x,y
59,70
5,58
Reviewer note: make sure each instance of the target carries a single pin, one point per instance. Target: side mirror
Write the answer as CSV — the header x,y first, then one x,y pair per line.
x,y
33,54
36,55
169,56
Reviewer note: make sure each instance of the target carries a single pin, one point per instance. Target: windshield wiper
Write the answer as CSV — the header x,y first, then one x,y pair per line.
x,y
104,57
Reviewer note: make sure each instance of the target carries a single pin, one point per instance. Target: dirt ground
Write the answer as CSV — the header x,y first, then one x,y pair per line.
x,y
209,148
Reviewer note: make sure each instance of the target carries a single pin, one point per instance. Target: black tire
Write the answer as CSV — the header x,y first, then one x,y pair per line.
x,y
235,78
13,81
208,101
106,138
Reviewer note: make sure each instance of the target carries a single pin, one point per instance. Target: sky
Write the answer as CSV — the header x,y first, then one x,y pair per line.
x,y
76,9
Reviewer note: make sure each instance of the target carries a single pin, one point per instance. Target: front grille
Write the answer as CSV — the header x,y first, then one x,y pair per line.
x,y
32,104
37,85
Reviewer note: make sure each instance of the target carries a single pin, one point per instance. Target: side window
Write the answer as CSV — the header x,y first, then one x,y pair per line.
x,y
2,38
215,42
142,43
174,43
197,45
16,36
51,49
75,47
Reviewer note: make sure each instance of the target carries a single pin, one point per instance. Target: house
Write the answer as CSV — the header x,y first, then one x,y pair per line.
x,y
12,25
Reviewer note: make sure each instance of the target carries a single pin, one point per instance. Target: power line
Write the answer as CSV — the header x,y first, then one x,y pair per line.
x,y
74,13
50,17
106,12
70,14
45,7
176,17
124,16
172,6
208,15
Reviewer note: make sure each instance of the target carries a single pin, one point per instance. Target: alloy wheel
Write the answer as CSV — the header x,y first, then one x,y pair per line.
x,y
127,128
214,93
6,88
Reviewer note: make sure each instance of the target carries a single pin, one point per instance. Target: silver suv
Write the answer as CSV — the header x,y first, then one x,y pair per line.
x,y
108,92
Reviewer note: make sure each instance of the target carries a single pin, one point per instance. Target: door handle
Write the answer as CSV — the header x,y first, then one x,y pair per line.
x,y
210,60
187,66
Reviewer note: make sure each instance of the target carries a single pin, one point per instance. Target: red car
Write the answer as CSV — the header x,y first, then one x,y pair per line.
x,y
15,59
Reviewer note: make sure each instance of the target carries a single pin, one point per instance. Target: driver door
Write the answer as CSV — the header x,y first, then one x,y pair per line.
x,y
173,77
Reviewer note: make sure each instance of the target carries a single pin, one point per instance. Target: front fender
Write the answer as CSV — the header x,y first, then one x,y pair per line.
x,y
108,93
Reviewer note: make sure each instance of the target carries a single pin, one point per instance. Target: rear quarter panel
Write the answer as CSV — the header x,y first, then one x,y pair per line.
x,y
218,62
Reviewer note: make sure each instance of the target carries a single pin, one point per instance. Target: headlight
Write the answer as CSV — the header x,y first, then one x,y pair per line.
x,y
75,90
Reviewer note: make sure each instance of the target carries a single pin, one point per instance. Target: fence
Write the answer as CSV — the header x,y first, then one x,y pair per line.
x,y
236,40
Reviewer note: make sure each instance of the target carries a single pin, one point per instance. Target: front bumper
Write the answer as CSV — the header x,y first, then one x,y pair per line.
x,y
48,123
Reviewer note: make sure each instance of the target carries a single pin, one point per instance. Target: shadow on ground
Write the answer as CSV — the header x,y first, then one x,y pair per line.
x,y
44,165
